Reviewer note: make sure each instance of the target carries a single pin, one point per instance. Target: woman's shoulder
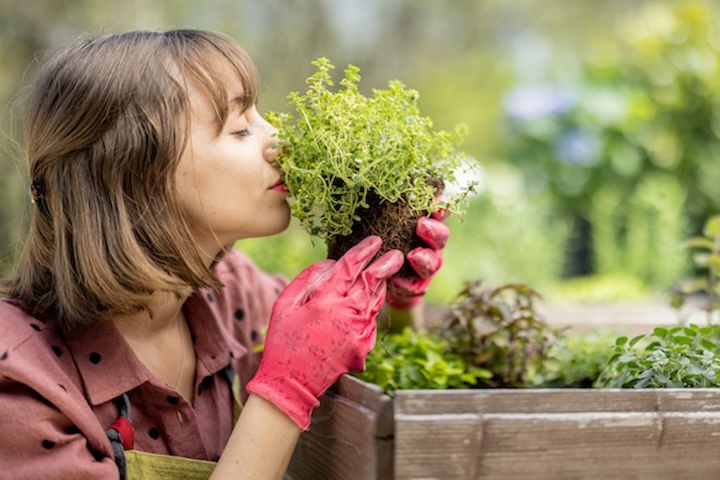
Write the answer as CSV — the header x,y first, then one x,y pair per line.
x,y
36,378
34,353
18,329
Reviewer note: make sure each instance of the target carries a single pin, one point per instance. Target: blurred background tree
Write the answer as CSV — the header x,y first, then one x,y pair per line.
x,y
626,141
594,121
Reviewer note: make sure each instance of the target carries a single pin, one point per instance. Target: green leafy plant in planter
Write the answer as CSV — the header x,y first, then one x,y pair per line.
x,y
491,337
683,356
418,359
500,330
576,360
358,165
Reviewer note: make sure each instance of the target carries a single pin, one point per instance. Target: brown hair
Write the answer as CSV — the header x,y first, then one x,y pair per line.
x,y
107,122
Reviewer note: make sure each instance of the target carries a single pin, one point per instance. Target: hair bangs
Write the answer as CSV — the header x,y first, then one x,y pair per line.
x,y
215,65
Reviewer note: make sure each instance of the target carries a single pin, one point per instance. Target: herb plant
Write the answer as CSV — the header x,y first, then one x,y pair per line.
x,y
500,330
340,145
576,360
683,356
418,359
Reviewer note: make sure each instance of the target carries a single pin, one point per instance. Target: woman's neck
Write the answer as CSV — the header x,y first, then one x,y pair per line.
x,y
161,339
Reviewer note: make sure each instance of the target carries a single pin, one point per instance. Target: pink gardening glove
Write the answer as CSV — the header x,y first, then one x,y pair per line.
x,y
404,292
322,326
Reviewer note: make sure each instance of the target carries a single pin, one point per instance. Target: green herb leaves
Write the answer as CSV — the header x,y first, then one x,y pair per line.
x,y
418,359
674,357
339,145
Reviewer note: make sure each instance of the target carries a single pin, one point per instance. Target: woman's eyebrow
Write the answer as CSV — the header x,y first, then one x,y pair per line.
x,y
240,103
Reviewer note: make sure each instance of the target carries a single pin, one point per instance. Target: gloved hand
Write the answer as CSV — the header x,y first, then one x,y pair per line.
x,y
404,292
322,326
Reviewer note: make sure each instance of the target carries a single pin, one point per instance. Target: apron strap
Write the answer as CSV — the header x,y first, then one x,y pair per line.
x,y
122,435
234,380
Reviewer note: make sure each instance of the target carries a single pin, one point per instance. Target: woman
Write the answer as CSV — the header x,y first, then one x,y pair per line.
x,y
130,327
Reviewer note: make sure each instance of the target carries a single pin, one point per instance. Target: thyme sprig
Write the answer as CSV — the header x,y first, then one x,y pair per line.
x,y
340,145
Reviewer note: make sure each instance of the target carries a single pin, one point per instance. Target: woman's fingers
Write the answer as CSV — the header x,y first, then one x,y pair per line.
x,y
347,269
381,269
441,213
368,292
300,288
425,261
433,232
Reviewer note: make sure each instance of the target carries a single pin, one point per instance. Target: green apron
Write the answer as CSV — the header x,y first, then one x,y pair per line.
x,y
136,465
154,466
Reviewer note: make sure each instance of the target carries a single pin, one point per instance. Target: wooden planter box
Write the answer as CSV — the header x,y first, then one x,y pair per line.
x,y
550,434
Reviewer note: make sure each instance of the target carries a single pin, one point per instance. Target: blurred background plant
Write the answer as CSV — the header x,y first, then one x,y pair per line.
x,y
625,139
706,257
596,123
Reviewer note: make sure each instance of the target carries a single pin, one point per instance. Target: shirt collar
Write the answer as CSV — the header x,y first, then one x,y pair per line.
x,y
214,347
105,361
109,366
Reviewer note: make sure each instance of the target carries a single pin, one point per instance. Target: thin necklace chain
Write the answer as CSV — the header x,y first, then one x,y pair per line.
x,y
182,351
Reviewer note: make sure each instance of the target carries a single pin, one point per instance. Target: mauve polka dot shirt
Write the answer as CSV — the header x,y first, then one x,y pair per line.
x,y
57,388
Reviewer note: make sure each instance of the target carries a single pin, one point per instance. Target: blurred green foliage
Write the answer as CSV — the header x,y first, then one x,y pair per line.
x,y
706,257
627,139
643,94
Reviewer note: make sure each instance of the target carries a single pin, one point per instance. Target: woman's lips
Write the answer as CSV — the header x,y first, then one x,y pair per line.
x,y
279,186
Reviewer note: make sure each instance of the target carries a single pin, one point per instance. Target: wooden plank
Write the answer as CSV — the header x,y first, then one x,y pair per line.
x,y
599,446
437,446
689,400
343,442
432,402
543,446
369,396
541,434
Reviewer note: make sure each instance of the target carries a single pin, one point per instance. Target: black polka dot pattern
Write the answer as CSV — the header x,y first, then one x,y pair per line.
x,y
154,433
204,384
48,444
4,356
95,358
35,327
254,335
239,314
209,297
173,400
57,350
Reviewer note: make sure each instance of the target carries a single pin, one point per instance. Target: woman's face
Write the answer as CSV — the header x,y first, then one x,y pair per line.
x,y
227,182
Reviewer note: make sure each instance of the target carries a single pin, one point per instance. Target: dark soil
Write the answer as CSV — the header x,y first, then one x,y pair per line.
x,y
393,222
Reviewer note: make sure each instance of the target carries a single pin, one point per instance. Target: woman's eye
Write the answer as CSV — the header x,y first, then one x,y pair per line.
x,y
242,133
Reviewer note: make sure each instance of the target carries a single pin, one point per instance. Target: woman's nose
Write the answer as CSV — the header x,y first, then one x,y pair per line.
x,y
273,147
